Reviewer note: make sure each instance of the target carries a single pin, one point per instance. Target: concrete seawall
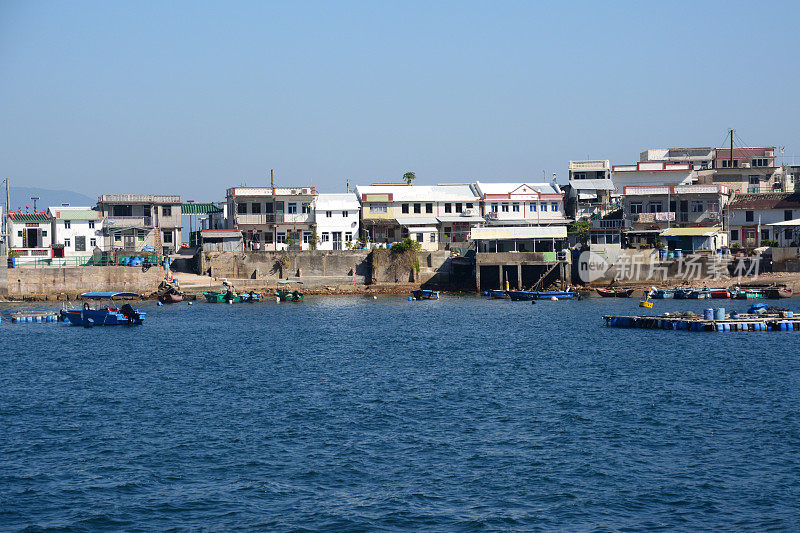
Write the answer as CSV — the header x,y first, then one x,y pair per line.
x,y
25,282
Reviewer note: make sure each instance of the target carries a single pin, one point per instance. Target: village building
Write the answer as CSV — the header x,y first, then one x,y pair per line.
x,y
700,158
77,231
590,192
756,218
337,220
31,235
272,218
746,170
141,222
652,173
437,216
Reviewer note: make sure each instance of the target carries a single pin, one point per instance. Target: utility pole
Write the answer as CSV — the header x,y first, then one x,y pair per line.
x,y
271,177
730,157
8,210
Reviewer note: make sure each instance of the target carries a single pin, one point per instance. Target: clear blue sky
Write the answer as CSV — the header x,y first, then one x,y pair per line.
x,y
193,97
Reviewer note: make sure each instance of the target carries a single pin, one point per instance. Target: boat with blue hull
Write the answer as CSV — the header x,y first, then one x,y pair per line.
x,y
662,294
425,294
540,295
104,316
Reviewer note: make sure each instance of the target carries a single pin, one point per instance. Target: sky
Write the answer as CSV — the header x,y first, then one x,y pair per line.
x,y
193,97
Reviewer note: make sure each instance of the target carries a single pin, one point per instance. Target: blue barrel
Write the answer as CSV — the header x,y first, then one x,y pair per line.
x,y
663,254
789,314
789,326
727,327
719,314
720,327
783,326
709,314
678,253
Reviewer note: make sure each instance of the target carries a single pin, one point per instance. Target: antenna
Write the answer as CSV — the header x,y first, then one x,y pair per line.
x,y
35,199
271,178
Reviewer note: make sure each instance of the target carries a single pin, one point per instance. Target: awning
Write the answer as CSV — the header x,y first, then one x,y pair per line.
x,y
793,222
417,221
690,232
519,232
459,218
422,229
586,196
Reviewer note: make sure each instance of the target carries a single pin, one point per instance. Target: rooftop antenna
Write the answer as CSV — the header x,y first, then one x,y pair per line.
x,y
271,177
348,184
730,158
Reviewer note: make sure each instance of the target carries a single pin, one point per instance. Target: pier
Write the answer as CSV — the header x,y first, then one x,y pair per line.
x,y
680,322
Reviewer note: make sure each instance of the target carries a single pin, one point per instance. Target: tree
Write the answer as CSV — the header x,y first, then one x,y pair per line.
x,y
408,177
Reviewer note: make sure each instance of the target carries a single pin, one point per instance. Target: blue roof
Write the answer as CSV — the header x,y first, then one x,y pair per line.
x,y
101,295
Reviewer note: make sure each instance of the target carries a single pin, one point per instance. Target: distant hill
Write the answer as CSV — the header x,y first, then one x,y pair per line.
x,y
21,197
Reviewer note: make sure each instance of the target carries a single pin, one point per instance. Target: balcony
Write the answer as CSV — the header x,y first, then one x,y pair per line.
x,y
257,219
129,222
610,223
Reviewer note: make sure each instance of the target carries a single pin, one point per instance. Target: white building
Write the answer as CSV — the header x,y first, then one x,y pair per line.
x,y
522,204
337,220
437,216
701,158
652,173
31,235
590,189
77,231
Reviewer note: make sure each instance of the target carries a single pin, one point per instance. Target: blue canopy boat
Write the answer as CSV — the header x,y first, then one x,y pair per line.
x,y
662,293
425,294
104,316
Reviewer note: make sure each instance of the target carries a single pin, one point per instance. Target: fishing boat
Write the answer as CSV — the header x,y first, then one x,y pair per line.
x,y
683,293
425,294
778,292
615,293
747,294
661,294
285,292
221,297
541,295
720,293
169,294
498,294
111,315
699,294
251,297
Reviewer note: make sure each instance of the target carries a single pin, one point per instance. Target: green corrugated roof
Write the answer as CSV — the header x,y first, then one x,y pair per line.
x,y
199,209
29,217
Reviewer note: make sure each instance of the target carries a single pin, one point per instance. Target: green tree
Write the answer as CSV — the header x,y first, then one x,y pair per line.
x,y
409,177
581,227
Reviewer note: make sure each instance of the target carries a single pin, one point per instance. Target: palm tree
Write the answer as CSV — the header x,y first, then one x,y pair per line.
x,y
408,177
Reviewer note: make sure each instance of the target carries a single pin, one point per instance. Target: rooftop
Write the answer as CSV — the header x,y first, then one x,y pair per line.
x,y
199,209
299,190
139,199
516,188
30,217
773,200
421,193
73,213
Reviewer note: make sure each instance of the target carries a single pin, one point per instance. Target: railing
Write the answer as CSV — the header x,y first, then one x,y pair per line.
x,y
143,261
139,222
609,223
258,218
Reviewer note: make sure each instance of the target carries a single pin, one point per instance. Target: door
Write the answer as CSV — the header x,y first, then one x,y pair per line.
x,y
749,237
32,238
129,242
337,240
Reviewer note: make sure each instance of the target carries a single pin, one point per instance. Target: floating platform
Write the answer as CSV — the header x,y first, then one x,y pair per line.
x,y
35,316
742,322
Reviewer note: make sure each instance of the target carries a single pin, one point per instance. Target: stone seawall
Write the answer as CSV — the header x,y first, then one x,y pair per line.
x,y
26,282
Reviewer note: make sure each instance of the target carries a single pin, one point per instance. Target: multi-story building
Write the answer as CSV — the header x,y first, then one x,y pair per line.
x,y
136,222
590,189
272,218
745,170
754,218
652,173
522,204
77,231
31,235
701,158
337,220
437,216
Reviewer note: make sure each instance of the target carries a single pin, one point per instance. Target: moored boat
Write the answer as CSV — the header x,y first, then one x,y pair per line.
x,y
541,295
222,297
683,293
425,294
662,293
614,293
720,293
499,294
778,292
251,297
747,294
286,294
699,294
88,316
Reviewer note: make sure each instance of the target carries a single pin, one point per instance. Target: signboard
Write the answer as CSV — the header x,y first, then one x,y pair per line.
x,y
669,216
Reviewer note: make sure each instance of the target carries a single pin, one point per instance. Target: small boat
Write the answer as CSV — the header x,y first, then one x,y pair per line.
x,y
499,294
425,294
104,316
251,297
662,293
221,297
169,294
699,294
286,294
615,293
541,295
720,293
778,292
747,294
683,293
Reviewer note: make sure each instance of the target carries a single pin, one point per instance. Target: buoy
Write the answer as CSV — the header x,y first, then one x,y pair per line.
x,y
374,297
190,303
230,302
553,299
410,298
159,304
277,299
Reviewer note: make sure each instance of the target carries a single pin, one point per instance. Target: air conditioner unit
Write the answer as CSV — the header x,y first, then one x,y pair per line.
x,y
491,215
295,191
469,212
745,165
713,215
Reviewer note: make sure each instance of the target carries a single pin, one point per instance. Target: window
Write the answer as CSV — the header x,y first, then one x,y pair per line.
x,y
67,243
91,225
579,176
377,208
654,207
141,235
67,224
636,207
255,209
554,207
697,207
328,214
19,233
787,214
753,179
326,237
713,207
44,233
166,211
543,207
432,237
459,207
92,242
764,234
429,208
146,211
117,237
241,209
469,205
494,208
306,237
515,207
448,208
420,237
281,237
726,163
80,243
734,234
533,207
345,214
122,211
417,208
404,209
760,162
269,208
167,237
504,207
748,216
305,207
267,238
787,234
292,208
348,237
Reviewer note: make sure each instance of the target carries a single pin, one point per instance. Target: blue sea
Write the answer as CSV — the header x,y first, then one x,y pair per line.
x,y
356,414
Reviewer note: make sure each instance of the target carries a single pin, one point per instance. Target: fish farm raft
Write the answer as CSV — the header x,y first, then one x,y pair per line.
x,y
783,321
